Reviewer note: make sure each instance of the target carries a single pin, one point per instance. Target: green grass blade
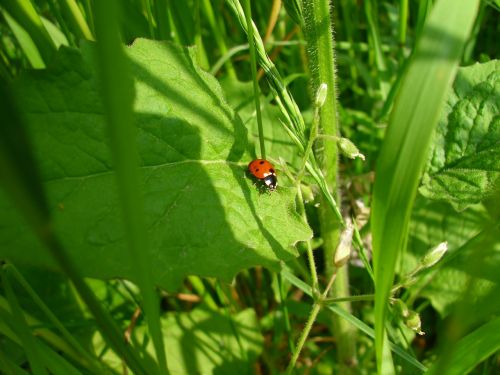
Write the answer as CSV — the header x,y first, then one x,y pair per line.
x,y
25,42
219,34
371,18
27,17
146,7
424,8
9,367
76,19
56,364
403,27
20,326
162,19
87,6
472,350
91,362
349,18
62,22
403,154
118,94
183,21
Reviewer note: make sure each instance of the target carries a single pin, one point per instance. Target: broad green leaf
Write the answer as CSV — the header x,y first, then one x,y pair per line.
x,y
472,349
204,215
468,265
21,180
202,342
464,165
433,222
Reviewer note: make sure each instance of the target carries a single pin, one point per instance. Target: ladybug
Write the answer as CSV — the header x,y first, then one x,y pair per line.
x,y
263,170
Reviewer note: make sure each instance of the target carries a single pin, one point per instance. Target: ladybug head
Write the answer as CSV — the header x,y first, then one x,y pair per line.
x,y
271,181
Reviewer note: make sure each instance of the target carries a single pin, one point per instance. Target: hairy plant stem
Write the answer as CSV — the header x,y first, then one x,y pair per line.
x,y
310,321
319,36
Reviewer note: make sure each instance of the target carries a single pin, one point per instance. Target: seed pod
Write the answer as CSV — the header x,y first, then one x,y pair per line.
x,y
414,323
435,255
349,149
344,249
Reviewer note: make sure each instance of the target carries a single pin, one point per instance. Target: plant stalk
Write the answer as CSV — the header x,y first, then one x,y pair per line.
x,y
310,321
319,36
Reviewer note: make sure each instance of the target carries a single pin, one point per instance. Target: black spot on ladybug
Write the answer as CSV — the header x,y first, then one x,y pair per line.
x,y
261,162
257,170
271,170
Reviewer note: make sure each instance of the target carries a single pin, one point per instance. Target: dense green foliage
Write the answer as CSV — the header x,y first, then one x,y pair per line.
x,y
126,207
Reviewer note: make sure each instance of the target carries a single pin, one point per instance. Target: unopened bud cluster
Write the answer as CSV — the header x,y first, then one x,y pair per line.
x,y
410,317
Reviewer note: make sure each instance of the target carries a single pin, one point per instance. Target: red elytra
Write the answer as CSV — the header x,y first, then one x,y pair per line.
x,y
264,170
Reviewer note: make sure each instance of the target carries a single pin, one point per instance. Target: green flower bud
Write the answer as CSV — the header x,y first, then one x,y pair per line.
x,y
349,149
435,255
414,323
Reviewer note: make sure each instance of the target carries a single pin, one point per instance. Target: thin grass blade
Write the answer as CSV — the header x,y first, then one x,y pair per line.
x,y
25,42
27,17
76,19
18,324
118,94
403,154
9,366
91,361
